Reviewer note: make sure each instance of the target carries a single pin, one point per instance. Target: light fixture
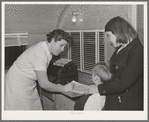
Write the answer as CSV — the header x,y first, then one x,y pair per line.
x,y
76,17
80,18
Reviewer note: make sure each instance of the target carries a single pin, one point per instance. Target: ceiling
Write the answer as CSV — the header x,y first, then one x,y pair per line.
x,y
32,18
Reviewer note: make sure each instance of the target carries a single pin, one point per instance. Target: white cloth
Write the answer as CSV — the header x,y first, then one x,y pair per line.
x,y
95,102
36,57
21,91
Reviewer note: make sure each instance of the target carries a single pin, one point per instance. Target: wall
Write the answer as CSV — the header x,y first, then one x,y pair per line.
x,y
94,16
140,23
37,20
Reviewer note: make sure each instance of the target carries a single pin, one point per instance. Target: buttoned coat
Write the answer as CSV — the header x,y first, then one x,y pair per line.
x,y
125,90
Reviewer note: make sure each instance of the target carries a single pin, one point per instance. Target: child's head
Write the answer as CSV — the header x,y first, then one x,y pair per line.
x,y
101,73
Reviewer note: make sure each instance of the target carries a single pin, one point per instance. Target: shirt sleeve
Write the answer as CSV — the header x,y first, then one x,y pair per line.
x,y
39,60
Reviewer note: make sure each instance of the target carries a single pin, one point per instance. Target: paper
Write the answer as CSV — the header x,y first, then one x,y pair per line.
x,y
72,94
79,87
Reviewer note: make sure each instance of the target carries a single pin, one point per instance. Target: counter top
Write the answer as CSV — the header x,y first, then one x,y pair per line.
x,y
72,94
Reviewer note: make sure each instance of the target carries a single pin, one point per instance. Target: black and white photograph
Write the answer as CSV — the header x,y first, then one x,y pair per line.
x,y
74,60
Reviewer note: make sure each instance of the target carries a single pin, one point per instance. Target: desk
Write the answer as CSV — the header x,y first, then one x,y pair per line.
x,y
62,101
58,101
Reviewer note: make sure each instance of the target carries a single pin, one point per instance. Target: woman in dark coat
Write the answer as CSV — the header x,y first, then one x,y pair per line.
x,y
125,90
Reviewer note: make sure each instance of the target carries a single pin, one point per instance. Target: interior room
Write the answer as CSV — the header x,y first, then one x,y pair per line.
x,y
28,24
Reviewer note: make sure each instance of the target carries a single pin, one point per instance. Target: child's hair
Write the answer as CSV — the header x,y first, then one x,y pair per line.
x,y
102,71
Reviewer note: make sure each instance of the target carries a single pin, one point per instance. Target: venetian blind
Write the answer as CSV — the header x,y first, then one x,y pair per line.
x,y
75,48
87,48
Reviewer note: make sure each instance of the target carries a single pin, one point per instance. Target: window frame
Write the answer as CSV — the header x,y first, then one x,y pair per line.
x,y
98,49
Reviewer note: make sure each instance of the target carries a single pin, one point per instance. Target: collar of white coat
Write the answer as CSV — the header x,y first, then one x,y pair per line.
x,y
49,55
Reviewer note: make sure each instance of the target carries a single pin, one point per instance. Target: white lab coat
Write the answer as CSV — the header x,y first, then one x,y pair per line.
x,y
21,91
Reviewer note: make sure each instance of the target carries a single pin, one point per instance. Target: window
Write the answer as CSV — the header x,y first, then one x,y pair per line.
x,y
15,45
16,39
87,48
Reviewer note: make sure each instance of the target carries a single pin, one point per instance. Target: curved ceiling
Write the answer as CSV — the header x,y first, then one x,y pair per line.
x,y
32,18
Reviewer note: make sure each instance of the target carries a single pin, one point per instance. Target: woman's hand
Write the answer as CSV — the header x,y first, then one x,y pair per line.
x,y
92,89
69,86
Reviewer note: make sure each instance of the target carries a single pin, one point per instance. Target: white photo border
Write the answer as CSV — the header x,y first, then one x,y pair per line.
x,y
78,115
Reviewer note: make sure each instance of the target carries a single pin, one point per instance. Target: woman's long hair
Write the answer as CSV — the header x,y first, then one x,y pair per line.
x,y
123,30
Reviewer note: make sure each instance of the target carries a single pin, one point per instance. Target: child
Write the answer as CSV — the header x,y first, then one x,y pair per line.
x,y
100,75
